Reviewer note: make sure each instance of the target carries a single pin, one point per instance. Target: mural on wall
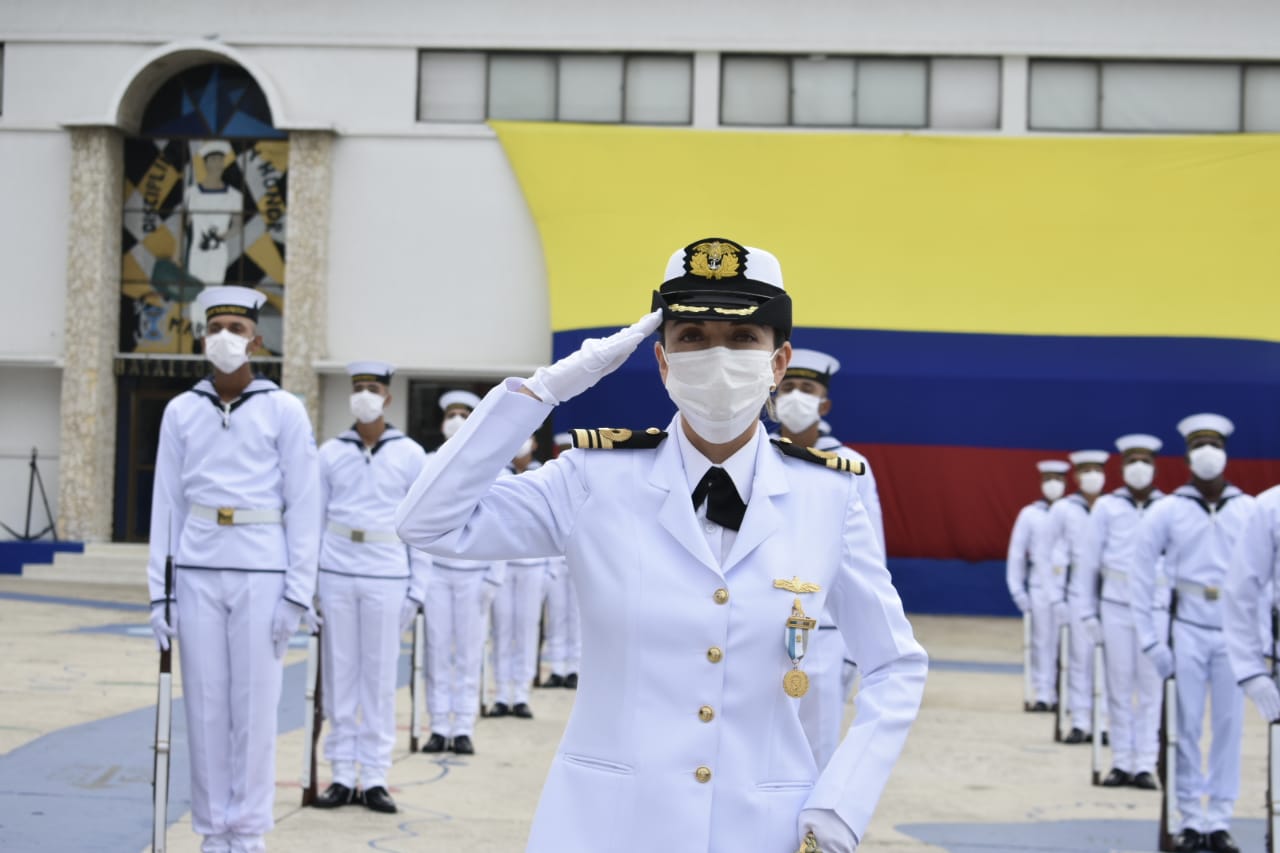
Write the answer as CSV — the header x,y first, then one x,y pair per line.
x,y
203,206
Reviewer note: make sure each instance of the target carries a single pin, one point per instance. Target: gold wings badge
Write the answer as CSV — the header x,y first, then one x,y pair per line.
x,y
795,585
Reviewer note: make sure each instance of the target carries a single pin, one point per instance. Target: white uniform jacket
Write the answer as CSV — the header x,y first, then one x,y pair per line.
x,y
256,453
1021,571
1250,589
681,737
1197,539
1059,542
361,487
1101,566
867,489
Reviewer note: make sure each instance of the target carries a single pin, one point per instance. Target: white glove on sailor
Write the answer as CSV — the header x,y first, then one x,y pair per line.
x,y
1092,630
833,835
1262,690
408,610
312,620
284,623
164,631
595,359
1021,601
1161,657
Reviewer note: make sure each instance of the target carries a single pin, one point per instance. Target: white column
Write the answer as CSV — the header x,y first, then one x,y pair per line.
x,y
1014,94
706,89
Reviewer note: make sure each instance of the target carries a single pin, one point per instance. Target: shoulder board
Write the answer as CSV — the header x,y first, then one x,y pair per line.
x,y
826,458
617,439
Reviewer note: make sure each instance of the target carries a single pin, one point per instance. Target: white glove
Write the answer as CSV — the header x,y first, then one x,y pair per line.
x,y
312,620
1262,690
408,610
1161,657
164,631
1092,630
284,623
595,359
1021,601
832,834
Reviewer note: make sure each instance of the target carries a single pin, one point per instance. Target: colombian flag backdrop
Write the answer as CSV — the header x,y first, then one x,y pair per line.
x,y
993,300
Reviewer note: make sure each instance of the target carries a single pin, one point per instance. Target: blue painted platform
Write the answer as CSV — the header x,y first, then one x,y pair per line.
x,y
13,555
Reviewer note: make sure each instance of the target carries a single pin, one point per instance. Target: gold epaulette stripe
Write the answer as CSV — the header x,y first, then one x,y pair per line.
x,y
610,439
826,458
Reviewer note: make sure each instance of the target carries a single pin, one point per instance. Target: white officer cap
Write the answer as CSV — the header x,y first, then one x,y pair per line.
x,y
811,364
1138,441
718,279
563,439
1088,457
215,146
1053,466
370,371
458,398
1205,422
231,299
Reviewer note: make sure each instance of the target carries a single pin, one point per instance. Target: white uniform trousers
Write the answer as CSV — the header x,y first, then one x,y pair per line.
x,y
361,636
1080,679
822,708
231,690
1203,671
564,638
1133,693
517,610
455,648
1044,645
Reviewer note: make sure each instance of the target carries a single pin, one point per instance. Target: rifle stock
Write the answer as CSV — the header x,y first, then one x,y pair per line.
x,y
416,664
1099,673
1167,759
164,724
1028,689
1064,668
313,719
1273,747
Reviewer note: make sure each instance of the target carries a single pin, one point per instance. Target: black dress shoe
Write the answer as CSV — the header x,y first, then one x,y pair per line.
x,y
1075,736
436,743
523,711
1220,841
1116,779
378,800
499,709
1145,781
335,795
462,745
1106,739
553,680
1188,841
571,681
1040,707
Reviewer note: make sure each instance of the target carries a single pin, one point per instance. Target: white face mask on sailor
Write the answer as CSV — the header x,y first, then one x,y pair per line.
x,y
367,406
720,391
1207,461
1139,474
797,410
226,350
1053,489
1091,482
452,424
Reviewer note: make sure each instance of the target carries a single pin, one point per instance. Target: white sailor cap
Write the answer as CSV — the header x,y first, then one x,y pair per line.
x,y
1205,422
1052,466
811,364
370,371
231,299
1088,457
215,146
563,439
458,398
1138,441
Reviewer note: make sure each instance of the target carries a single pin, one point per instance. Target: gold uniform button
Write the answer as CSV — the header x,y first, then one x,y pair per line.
x,y
721,595
706,713
714,654
702,774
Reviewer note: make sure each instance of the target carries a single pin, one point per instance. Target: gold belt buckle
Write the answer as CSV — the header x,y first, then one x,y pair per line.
x,y
226,515
1211,593
357,536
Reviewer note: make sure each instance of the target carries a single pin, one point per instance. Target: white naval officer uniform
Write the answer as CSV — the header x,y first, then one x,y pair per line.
x,y
1099,589
1064,529
517,616
680,712
1197,539
257,456
1250,592
831,674
366,573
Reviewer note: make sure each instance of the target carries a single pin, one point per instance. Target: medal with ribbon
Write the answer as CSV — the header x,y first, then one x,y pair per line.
x,y
796,683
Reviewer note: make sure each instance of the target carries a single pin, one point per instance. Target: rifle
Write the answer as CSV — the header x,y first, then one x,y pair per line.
x,y
1167,758
1273,749
313,717
1099,673
164,723
1028,689
1060,721
417,661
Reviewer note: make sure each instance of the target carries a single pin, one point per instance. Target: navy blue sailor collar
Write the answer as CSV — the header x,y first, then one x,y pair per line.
x,y
1190,492
350,436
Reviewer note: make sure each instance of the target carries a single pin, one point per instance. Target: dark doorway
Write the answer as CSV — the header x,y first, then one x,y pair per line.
x,y
425,414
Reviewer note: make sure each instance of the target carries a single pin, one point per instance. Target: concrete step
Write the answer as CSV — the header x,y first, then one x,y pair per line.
x,y
101,563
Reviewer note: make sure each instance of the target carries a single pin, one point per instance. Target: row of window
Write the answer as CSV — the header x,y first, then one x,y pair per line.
x,y
945,93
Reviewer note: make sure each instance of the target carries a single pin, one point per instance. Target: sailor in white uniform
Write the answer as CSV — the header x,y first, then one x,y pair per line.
x,y
702,556
1250,596
1067,522
517,615
237,497
563,642
371,587
459,596
1099,595
1033,585
803,400
1196,528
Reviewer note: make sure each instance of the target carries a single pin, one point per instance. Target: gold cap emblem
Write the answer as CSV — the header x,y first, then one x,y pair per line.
x,y
714,259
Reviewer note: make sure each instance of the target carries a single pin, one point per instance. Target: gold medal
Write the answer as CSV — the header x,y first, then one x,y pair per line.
x,y
810,844
795,683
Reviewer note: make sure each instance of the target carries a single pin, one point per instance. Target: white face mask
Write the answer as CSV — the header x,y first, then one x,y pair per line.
x,y
1207,462
226,351
797,410
720,391
1139,474
1053,489
452,424
525,449
1091,482
367,406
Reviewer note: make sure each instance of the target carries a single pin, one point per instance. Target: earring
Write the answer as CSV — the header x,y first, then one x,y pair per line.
x,y
773,387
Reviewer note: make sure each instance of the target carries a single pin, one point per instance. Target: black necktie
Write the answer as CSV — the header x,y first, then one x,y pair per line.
x,y
724,506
